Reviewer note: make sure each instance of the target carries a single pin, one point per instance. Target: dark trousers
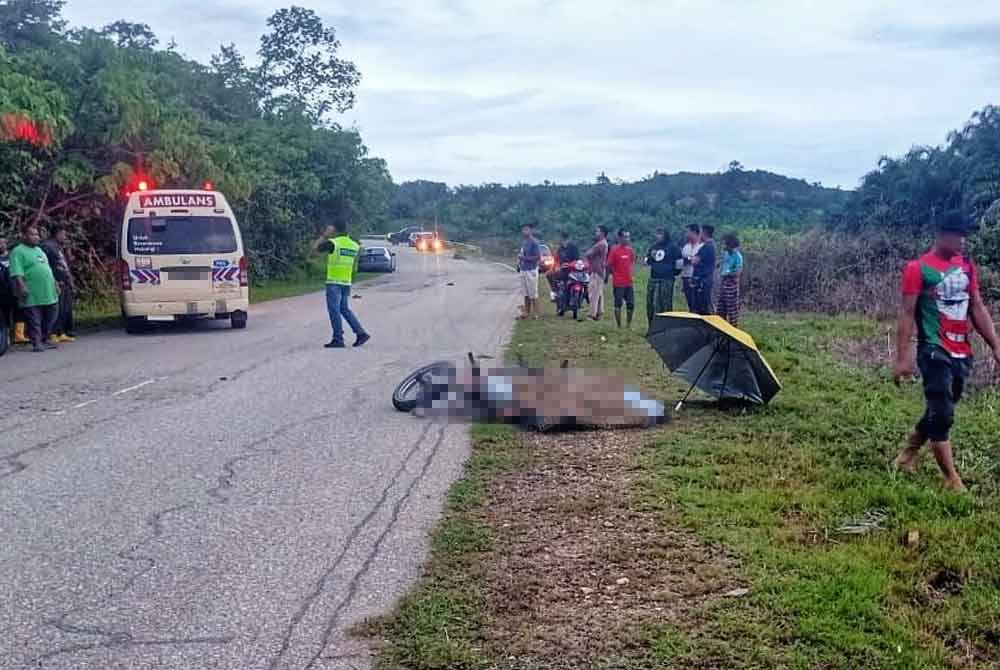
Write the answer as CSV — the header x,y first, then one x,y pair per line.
x,y
688,292
701,296
64,322
944,382
338,305
659,297
40,320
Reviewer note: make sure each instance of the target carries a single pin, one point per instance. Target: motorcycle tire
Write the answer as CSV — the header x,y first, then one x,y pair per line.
x,y
4,339
404,398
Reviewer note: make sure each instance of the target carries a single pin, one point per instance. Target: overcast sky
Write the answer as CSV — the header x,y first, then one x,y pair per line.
x,y
469,91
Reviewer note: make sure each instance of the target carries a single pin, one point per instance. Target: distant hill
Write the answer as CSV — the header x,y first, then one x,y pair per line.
x,y
736,198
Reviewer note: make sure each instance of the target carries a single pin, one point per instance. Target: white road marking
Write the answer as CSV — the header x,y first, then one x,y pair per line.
x,y
86,403
504,265
134,388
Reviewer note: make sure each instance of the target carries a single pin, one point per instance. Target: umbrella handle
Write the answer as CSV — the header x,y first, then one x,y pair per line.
x,y
697,379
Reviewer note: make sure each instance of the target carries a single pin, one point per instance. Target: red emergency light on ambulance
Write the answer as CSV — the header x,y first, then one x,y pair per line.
x,y
181,256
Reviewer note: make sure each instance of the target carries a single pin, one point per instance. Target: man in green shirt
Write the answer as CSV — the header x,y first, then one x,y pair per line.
x,y
35,286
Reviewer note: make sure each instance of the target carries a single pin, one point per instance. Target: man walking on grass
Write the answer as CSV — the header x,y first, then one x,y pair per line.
x,y
597,258
35,287
941,300
342,257
527,267
621,258
664,261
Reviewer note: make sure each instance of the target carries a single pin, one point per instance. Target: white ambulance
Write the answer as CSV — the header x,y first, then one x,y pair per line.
x,y
181,256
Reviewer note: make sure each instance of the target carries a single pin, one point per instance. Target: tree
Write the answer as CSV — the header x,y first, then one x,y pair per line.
x,y
30,23
130,35
299,66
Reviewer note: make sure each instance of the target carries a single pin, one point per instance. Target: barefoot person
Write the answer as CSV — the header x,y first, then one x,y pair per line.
x,y
941,301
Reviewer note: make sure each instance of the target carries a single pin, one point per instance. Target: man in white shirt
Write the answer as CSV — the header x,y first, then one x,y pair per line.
x,y
688,252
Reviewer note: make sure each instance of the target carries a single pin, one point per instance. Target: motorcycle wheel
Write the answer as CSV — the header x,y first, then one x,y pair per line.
x,y
4,339
404,398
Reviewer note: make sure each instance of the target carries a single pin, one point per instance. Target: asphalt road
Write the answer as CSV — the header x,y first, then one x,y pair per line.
x,y
201,498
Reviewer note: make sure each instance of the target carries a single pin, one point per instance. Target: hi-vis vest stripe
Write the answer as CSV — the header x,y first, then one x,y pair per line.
x,y
340,262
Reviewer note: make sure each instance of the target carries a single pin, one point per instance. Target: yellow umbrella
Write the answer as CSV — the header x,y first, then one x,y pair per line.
x,y
714,356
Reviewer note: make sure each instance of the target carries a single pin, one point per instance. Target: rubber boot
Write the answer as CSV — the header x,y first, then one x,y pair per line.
x,y
631,313
19,335
618,317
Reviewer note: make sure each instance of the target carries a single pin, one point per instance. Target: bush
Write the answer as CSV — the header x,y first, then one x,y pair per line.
x,y
826,272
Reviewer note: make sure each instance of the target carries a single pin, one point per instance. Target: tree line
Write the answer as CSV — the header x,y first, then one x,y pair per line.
x,y
730,198
87,113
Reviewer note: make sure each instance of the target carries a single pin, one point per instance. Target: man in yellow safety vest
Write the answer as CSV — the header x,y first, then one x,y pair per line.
x,y
342,257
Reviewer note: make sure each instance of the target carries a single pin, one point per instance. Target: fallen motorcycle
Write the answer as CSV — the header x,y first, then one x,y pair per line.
x,y
538,398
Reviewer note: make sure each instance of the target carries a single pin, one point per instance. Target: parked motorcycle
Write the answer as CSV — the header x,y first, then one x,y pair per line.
x,y
573,287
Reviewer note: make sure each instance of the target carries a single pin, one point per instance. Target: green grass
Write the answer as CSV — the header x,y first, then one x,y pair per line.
x,y
772,485
103,311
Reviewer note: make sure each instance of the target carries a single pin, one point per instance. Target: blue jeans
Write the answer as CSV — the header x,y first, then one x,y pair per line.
x,y
338,305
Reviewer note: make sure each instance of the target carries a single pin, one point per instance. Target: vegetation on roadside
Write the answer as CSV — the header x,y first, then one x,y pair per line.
x,y
848,564
749,198
86,113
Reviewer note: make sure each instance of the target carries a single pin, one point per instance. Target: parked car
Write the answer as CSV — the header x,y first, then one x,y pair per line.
x,y
426,241
377,259
402,236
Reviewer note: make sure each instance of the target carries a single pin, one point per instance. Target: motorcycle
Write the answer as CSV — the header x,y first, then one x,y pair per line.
x,y
572,292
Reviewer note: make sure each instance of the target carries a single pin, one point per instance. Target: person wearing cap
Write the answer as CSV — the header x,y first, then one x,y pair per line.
x,y
942,303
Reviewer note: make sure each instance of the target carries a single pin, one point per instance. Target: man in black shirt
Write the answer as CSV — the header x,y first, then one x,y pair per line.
x,y
55,249
566,253
704,272
663,259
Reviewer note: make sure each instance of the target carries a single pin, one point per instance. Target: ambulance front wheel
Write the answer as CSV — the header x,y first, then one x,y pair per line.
x,y
239,320
135,325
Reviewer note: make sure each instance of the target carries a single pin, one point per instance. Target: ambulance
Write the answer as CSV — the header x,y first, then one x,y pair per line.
x,y
181,256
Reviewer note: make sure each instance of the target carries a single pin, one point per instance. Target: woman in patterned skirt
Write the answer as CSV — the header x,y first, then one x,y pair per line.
x,y
729,289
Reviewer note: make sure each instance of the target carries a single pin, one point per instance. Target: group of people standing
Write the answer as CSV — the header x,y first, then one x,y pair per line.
x,y
41,280
695,263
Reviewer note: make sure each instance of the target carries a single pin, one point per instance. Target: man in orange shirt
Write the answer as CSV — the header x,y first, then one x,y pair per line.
x,y
620,261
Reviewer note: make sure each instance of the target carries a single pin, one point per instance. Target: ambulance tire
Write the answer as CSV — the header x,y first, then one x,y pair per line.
x,y
238,320
404,398
135,325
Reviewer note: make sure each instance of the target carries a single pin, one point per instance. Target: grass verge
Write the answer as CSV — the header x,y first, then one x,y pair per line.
x,y
848,564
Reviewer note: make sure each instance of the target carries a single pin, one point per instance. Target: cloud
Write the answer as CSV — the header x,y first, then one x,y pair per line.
x,y
524,90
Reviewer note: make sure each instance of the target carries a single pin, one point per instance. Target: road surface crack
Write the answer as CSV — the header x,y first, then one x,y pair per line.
x,y
321,584
354,584
116,638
